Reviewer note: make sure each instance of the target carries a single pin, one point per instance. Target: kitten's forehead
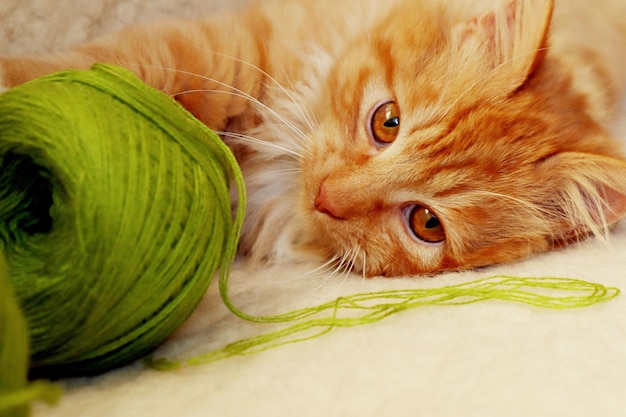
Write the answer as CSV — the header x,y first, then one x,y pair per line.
x,y
416,60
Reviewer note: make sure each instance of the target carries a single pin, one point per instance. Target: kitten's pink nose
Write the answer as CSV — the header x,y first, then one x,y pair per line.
x,y
324,204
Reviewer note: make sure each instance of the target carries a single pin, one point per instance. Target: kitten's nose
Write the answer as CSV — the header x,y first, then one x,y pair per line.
x,y
324,204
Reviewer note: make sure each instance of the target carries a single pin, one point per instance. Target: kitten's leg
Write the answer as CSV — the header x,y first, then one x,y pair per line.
x,y
212,67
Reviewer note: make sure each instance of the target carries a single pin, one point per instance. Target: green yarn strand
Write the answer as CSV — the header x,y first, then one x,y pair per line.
x,y
546,292
367,308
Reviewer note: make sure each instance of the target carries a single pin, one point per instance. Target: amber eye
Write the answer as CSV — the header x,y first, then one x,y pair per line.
x,y
425,225
385,123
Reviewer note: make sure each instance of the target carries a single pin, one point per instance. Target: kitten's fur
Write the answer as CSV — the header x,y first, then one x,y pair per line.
x,y
503,111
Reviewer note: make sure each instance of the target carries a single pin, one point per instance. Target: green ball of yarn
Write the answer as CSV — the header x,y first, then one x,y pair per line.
x,y
114,216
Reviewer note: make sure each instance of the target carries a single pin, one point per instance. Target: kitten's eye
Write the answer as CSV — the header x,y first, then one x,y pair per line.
x,y
424,224
385,123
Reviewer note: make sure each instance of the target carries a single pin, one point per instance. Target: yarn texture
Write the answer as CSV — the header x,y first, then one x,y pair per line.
x,y
115,215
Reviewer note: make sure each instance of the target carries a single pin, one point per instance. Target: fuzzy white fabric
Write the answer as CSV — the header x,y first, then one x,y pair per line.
x,y
486,359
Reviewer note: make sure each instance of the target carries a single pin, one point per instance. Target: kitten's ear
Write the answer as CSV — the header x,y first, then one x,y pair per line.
x,y
509,41
585,193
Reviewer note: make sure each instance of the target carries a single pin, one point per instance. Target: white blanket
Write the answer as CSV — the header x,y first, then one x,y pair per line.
x,y
491,358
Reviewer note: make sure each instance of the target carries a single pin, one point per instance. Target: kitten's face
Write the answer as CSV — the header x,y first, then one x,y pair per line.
x,y
429,159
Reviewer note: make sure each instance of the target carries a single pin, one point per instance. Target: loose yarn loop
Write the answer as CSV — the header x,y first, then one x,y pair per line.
x,y
366,308
114,216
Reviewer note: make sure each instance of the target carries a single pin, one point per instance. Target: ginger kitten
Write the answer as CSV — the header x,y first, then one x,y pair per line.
x,y
409,137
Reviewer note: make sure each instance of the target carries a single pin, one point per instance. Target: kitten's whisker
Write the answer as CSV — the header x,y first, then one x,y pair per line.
x,y
520,202
241,94
364,263
309,117
330,276
343,263
287,92
350,264
251,139
284,171
299,150
338,267
347,263
357,252
322,267
343,266
306,116
235,92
